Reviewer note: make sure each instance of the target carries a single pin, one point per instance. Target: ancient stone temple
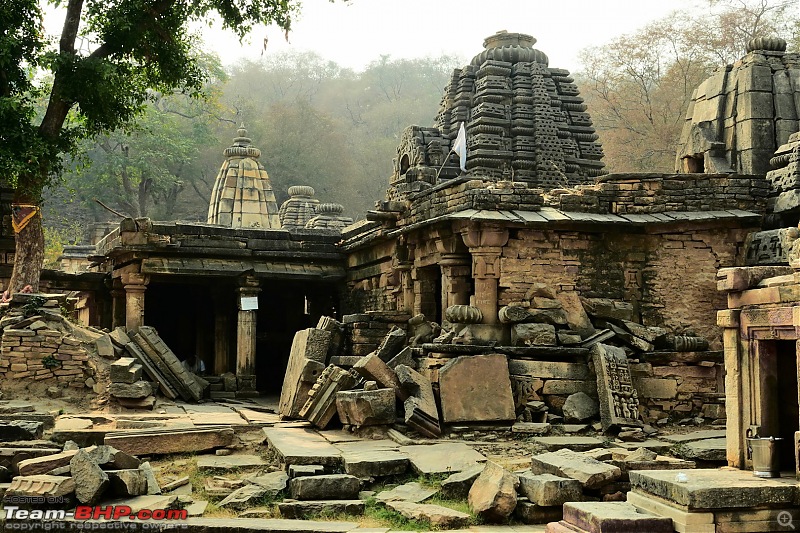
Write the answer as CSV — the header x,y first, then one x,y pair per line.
x,y
525,122
740,115
242,196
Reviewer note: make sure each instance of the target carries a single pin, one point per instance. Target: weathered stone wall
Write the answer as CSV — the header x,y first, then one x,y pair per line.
x,y
657,193
43,356
671,276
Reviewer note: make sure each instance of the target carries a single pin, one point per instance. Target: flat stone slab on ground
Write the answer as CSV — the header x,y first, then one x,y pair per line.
x,y
410,492
712,489
575,443
531,428
298,509
299,446
170,440
706,450
274,482
590,472
619,517
229,462
549,490
15,406
257,417
325,487
456,486
658,446
695,435
439,517
442,458
372,458
243,497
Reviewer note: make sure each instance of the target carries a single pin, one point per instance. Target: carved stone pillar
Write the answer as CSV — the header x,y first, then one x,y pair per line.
x,y
135,285
246,339
486,245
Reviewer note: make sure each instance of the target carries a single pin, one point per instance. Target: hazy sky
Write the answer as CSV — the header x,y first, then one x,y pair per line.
x,y
355,33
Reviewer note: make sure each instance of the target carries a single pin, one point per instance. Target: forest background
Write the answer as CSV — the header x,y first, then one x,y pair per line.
x,y
336,129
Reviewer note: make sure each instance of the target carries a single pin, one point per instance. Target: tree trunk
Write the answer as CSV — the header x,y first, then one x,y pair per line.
x,y
29,256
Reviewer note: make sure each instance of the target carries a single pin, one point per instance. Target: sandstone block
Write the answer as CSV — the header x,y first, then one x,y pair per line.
x,y
547,489
493,496
533,335
326,487
466,382
366,407
90,480
592,473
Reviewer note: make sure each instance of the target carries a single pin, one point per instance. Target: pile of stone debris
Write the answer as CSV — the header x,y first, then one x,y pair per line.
x,y
41,346
468,372
143,350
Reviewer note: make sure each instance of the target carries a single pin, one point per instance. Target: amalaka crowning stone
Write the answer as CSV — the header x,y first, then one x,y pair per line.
x,y
242,196
329,216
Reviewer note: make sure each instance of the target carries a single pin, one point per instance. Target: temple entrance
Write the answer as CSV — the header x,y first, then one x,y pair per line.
x,y
780,410
428,293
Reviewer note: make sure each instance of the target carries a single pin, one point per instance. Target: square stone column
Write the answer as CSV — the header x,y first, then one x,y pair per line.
x,y
246,341
135,285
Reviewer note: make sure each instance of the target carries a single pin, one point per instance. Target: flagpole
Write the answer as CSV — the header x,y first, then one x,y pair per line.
x,y
443,164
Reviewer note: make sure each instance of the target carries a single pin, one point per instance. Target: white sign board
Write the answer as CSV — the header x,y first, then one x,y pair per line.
x,y
249,303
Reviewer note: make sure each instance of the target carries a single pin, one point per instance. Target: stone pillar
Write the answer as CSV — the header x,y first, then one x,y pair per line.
x,y
246,341
735,415
486,245
135,285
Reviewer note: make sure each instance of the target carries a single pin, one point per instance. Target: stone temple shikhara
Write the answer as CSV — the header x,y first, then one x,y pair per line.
x,y
533,289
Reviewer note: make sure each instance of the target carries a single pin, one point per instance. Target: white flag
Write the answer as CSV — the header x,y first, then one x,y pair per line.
x,y
460,147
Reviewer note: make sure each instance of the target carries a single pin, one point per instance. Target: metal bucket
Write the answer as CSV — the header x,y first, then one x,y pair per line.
x,y
764,452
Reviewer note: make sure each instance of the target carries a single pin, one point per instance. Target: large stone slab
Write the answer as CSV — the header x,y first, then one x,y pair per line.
x,y
548,490
373,368
493,496
42,465
90,480
592,473
695,435
299,446
365,459
410,492
299,509
13,430
166,441
438,516
711,489
465,384
619,401
550,370
306,363
706,450
443,458
229,462
576,443
456,486
366,407
616,517
325,487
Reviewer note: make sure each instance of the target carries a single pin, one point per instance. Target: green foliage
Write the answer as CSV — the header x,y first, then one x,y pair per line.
x,y
393,519
56,237
49,361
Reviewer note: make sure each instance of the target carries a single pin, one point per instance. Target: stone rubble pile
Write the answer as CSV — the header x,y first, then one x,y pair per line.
x,y
40,345
553,358
143,353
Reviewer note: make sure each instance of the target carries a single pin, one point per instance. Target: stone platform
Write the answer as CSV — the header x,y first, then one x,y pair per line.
x,y
716,501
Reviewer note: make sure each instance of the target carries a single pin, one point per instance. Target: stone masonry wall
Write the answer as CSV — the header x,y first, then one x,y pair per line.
x,y
43,356
670,276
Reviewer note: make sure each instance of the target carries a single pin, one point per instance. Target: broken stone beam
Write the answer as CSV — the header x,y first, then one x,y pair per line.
x,y
174,364
737,279
42,465
366,408
306,362
421,412
374,368
155,442
321,404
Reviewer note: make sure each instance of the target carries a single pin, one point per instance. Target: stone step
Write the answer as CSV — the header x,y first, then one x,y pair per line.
x,y
613,517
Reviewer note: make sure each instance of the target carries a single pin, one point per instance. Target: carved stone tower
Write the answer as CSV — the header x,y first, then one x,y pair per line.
x,y
242,196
